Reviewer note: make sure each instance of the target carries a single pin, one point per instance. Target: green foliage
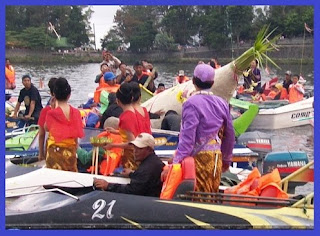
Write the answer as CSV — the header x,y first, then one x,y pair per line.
x,y
111,41
78,35
240,18
31,37
68,21
179,23
129,19
139,25
289,20
214,27
163,41
143,37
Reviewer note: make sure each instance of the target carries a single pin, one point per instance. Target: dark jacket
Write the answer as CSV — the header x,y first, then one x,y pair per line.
x,y
145,180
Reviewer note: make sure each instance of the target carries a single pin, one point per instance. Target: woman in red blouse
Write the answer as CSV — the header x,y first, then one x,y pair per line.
x,y
141,112
131,124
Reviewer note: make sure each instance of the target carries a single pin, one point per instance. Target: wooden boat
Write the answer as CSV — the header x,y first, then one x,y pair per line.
x,y
65,200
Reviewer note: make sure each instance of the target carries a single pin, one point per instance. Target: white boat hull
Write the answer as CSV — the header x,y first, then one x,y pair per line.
x,y
291,115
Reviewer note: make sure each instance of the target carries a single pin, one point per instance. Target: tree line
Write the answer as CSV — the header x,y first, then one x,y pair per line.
x,y
168,27
147,28
28,26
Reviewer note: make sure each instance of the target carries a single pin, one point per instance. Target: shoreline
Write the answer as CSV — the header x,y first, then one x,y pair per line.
x,y
69,59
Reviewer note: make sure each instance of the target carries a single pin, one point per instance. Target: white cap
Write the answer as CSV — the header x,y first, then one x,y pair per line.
x,y
144,140
181,73
288,72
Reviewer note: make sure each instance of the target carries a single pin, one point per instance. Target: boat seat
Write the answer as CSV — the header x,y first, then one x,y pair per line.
x,y
188,182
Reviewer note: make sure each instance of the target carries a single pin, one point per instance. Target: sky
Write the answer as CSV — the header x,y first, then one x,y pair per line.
x,y
102,18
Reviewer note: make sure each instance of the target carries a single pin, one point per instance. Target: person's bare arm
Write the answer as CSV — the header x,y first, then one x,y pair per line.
x,y
42,149
16,110
32,106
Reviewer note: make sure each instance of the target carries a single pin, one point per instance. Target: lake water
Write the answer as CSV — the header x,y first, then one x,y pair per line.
x,y
81,78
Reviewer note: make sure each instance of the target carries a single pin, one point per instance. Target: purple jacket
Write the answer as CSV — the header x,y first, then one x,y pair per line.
x,y
202,117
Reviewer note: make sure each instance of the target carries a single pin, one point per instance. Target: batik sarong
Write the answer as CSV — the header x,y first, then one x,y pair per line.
x,y
62,155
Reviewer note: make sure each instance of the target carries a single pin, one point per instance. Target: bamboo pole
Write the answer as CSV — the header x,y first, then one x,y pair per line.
x,y
97,160
106,169
93,159
285,181
304,37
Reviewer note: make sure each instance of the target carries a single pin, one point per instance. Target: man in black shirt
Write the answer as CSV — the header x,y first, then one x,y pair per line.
x,y
146,179
32,101
287,80
113,110
141,77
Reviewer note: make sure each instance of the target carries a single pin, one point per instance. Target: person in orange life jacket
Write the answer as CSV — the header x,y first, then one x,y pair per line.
x,y
260,96
283,94
160,88
287,80
10,82
296,90
125,74
273,93
181,78
109,81
42,120
112,61
32,101
141,77
103,68
145,180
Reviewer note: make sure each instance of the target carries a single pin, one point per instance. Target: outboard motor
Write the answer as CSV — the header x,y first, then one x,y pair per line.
x,y
258,142
287,163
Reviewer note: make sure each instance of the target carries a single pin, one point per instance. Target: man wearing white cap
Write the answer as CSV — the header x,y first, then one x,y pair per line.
x,y
207,132
146,179
181,78
287,80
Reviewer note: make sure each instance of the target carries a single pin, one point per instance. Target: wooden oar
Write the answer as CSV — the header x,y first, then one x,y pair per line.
x,y
153,72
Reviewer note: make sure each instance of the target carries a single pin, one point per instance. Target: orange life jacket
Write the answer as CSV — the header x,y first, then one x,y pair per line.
x,y
104,86
284,94
185,79
267,185
294,94
112,157
10,76
272,94
179,174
